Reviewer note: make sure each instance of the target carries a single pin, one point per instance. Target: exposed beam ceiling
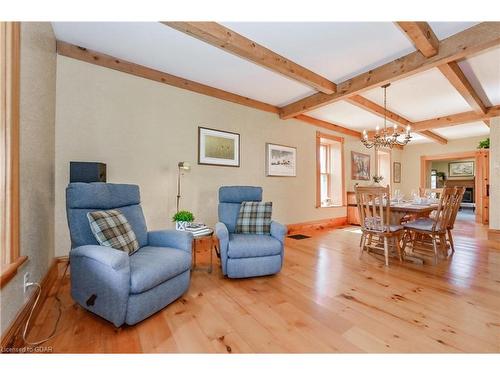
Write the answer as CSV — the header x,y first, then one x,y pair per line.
x,y
378,110
328,125
228,40
107,61
457,119
469,42
458,79
433,136
422,36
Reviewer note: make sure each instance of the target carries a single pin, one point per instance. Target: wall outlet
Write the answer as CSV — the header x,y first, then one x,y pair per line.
x,y
26,281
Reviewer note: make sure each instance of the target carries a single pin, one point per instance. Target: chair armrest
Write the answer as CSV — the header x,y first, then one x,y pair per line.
x,y
278,231
171,238
107,256
223,236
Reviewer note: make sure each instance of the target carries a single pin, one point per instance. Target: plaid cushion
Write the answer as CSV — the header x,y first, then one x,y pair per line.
x,y
254,217
112,229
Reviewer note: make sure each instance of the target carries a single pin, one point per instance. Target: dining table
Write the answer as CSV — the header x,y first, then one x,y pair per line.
x,y
413,209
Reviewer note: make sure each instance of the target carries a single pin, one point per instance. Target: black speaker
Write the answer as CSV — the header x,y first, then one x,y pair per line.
x,y
83,171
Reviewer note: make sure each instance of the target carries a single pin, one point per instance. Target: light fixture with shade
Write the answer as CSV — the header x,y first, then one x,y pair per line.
x,y
383,138
181,166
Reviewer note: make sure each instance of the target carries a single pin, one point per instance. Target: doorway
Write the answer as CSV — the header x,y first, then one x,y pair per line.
x,y
460,169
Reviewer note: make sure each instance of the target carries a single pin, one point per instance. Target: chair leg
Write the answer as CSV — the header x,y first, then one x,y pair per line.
x,y
362,245
434,246
450,239
398,247
361,239
444,245
386,251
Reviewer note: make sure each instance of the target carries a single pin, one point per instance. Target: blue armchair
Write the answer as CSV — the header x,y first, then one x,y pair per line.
x,y
246,255
110,283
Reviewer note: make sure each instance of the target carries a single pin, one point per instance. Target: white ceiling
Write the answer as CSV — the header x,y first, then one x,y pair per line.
x,y
473,129
336,50
421,96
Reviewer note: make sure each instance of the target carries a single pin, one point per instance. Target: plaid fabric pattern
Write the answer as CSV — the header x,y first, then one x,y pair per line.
x,y
254,217
112,229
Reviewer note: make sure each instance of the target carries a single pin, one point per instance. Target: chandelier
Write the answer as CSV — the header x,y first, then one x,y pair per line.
x,y
382,138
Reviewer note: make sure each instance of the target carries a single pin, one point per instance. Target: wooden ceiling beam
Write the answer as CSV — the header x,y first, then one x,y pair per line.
x,y
107,61
460,82
422,36
378,110
368,105
328,125
433,136
230,41
457,119
476,39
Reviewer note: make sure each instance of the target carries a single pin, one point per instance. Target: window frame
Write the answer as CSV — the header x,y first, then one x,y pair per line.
x,y
319,136
388,152
10,45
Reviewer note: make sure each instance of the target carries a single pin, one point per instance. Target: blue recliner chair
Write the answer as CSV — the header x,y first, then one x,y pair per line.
x,y
246,255
110,283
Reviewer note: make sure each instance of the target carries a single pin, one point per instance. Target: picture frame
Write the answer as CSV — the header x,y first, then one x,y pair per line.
x,y
396,172
218,147
461,169
360,166
281,161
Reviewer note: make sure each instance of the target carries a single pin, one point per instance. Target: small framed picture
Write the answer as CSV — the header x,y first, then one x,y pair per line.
x,y
281,160
396,172
217,147
360,166
461,169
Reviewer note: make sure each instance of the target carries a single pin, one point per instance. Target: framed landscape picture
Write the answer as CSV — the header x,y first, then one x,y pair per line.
x,y
360,166
461,169
396,172
281,160
217,147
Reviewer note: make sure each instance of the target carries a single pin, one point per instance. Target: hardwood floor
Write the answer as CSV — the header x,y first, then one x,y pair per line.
x,y
324,300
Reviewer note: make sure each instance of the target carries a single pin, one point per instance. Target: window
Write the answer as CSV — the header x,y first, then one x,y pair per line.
x,y
329,170
384,166
434,179
9,150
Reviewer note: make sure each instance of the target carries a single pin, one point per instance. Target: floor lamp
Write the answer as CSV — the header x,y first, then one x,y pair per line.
x,y
182,165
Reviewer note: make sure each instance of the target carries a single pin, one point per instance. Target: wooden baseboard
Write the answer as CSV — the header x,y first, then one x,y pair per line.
x,y
317,224
13,336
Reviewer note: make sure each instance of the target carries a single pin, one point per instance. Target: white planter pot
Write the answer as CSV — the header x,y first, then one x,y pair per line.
x,y
181,225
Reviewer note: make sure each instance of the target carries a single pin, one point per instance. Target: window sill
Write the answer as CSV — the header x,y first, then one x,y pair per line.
x,y
333,206
10,270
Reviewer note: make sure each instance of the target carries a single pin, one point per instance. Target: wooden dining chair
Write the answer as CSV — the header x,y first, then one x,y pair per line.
x,y
433,229
375,219
451,224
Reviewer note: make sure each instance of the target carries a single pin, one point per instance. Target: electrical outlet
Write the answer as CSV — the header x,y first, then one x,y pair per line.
x,y
26,281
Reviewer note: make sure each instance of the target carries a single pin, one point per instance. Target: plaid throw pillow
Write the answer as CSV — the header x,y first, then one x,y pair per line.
x,y
254,217
111,228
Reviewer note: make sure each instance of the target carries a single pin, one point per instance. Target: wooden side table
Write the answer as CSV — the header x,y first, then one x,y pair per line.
x,y
204,237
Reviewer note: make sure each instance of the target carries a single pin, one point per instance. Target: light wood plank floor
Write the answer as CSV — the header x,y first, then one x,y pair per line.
x,y
324,300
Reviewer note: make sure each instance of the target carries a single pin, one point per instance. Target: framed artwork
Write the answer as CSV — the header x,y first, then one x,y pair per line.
x,y
217,147
396,172
281,160
461,169
360,166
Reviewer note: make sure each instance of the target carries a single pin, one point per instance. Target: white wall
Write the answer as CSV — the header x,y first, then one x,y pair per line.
x,y
141,129
38,80
410,158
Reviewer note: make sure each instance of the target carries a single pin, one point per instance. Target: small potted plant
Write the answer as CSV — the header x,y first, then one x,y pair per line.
x,y
377,179
484,143
182,218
